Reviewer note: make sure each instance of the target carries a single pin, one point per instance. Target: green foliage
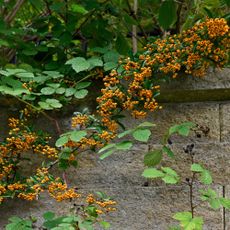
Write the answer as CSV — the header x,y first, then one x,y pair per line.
x,y
140,133
75,135
153,158
188,222
205,175
167,14
168,175
182,129
18,223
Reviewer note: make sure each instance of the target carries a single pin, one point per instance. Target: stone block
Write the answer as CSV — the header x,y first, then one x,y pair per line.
x,y
225,122
215,79
204,114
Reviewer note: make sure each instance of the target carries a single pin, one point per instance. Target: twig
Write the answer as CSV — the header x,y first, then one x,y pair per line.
x,y
8,19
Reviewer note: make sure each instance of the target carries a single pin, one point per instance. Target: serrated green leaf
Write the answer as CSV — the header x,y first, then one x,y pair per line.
x,y
110,65
152,173
45,105
54,103
81,93
95,62
77,135
47,90
124,145
225,202
170,179
104,224
214,203
197,168
70,92
183,216
79,64
60,90
106,154
108,146
182,129
168,151
111,56
206,177
48,215
61,141
142,135
153,158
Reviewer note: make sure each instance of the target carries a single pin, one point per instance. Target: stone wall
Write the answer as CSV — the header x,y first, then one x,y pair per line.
x,y
148,205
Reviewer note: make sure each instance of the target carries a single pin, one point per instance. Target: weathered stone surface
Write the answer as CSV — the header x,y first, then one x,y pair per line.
x,y
120,169
214,157
215,79
138,208
149,205
225,122
204,114
125,168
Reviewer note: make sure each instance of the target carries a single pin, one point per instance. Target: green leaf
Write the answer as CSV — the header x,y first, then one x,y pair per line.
x,y
82,85
106,154
208,194
146,124
122,45
95,62
153,158
111,56
81,93
60,90
69,92
77,135
45,105
182,129
225,202
167,14
104,224
48,215
214,203
3,43
170,179
25,75
47,90
110,65
142,135
61,141
129,20
124,145
197,168
168,151
152,173
171,176
183,216
108,146
54,103
206,177
120,135
76,8
79,64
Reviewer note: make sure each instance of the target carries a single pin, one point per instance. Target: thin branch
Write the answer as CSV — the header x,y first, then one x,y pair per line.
x,y
9,18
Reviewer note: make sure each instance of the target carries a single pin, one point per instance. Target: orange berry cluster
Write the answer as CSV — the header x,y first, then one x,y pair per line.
x,y
191,52
102,206
134,88
21,141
